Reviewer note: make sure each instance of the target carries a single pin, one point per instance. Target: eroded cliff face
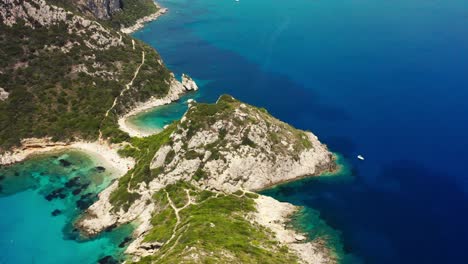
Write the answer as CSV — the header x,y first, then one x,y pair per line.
x,y
38,13
230,146
103,9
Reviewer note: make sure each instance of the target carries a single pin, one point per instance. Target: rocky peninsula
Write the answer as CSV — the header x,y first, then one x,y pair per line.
x,y
228,149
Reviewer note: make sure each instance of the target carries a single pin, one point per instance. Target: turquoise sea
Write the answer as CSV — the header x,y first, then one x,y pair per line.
x,y
64,184
384,79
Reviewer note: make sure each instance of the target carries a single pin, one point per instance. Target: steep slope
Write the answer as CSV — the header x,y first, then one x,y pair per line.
x,y
116,13
61,72
222,151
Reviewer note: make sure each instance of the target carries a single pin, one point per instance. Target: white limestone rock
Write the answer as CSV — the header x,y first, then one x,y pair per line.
x,y
189,83
3,94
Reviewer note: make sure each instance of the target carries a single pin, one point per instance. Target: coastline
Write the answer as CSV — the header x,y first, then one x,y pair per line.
x,y
134,130
335,168
276,215
140,23
176,90
103,152
271,213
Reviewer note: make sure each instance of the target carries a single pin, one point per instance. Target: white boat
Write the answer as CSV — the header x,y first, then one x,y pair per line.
x,y
360,157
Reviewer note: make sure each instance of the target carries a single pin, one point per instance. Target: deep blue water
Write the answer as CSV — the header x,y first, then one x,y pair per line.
x,y
385,79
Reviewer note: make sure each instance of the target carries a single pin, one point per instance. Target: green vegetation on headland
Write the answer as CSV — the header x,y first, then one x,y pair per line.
x,y
142,150
212,229
204,115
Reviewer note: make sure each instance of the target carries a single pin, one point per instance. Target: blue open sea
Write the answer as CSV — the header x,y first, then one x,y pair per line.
x,y
384,79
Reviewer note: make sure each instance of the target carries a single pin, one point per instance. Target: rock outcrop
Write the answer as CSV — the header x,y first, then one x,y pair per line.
x,y
38,13
3,94
274,215
189,83
230,146
103,9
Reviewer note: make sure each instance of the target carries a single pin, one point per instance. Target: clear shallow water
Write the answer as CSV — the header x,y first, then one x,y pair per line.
x,y
154,120
31,191
385,79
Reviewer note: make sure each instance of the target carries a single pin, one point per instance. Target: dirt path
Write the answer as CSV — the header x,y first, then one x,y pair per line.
x,y
127,87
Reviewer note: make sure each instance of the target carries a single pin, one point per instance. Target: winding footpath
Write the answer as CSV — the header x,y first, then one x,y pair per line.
x,y
176,211
127,87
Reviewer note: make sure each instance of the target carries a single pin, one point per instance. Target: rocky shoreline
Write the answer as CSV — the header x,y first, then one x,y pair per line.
x,y
140,23
275,216
176,90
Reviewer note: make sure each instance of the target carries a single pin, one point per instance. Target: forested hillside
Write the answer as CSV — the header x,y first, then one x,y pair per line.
x,y
61,72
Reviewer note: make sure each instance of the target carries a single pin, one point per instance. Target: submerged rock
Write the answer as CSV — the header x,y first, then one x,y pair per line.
x,y
65,163
75,181
76,191
108,260
100,169
58,193
125,242
111,227
85,201
56,212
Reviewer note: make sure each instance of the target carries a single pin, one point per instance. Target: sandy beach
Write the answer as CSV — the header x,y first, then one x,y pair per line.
x,y
176,89
100,151
133,130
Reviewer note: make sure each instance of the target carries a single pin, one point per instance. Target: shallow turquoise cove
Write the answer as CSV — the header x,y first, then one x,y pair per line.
x,y
29,231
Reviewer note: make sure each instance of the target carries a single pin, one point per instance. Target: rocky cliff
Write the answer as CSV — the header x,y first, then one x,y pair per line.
x,y
103,9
